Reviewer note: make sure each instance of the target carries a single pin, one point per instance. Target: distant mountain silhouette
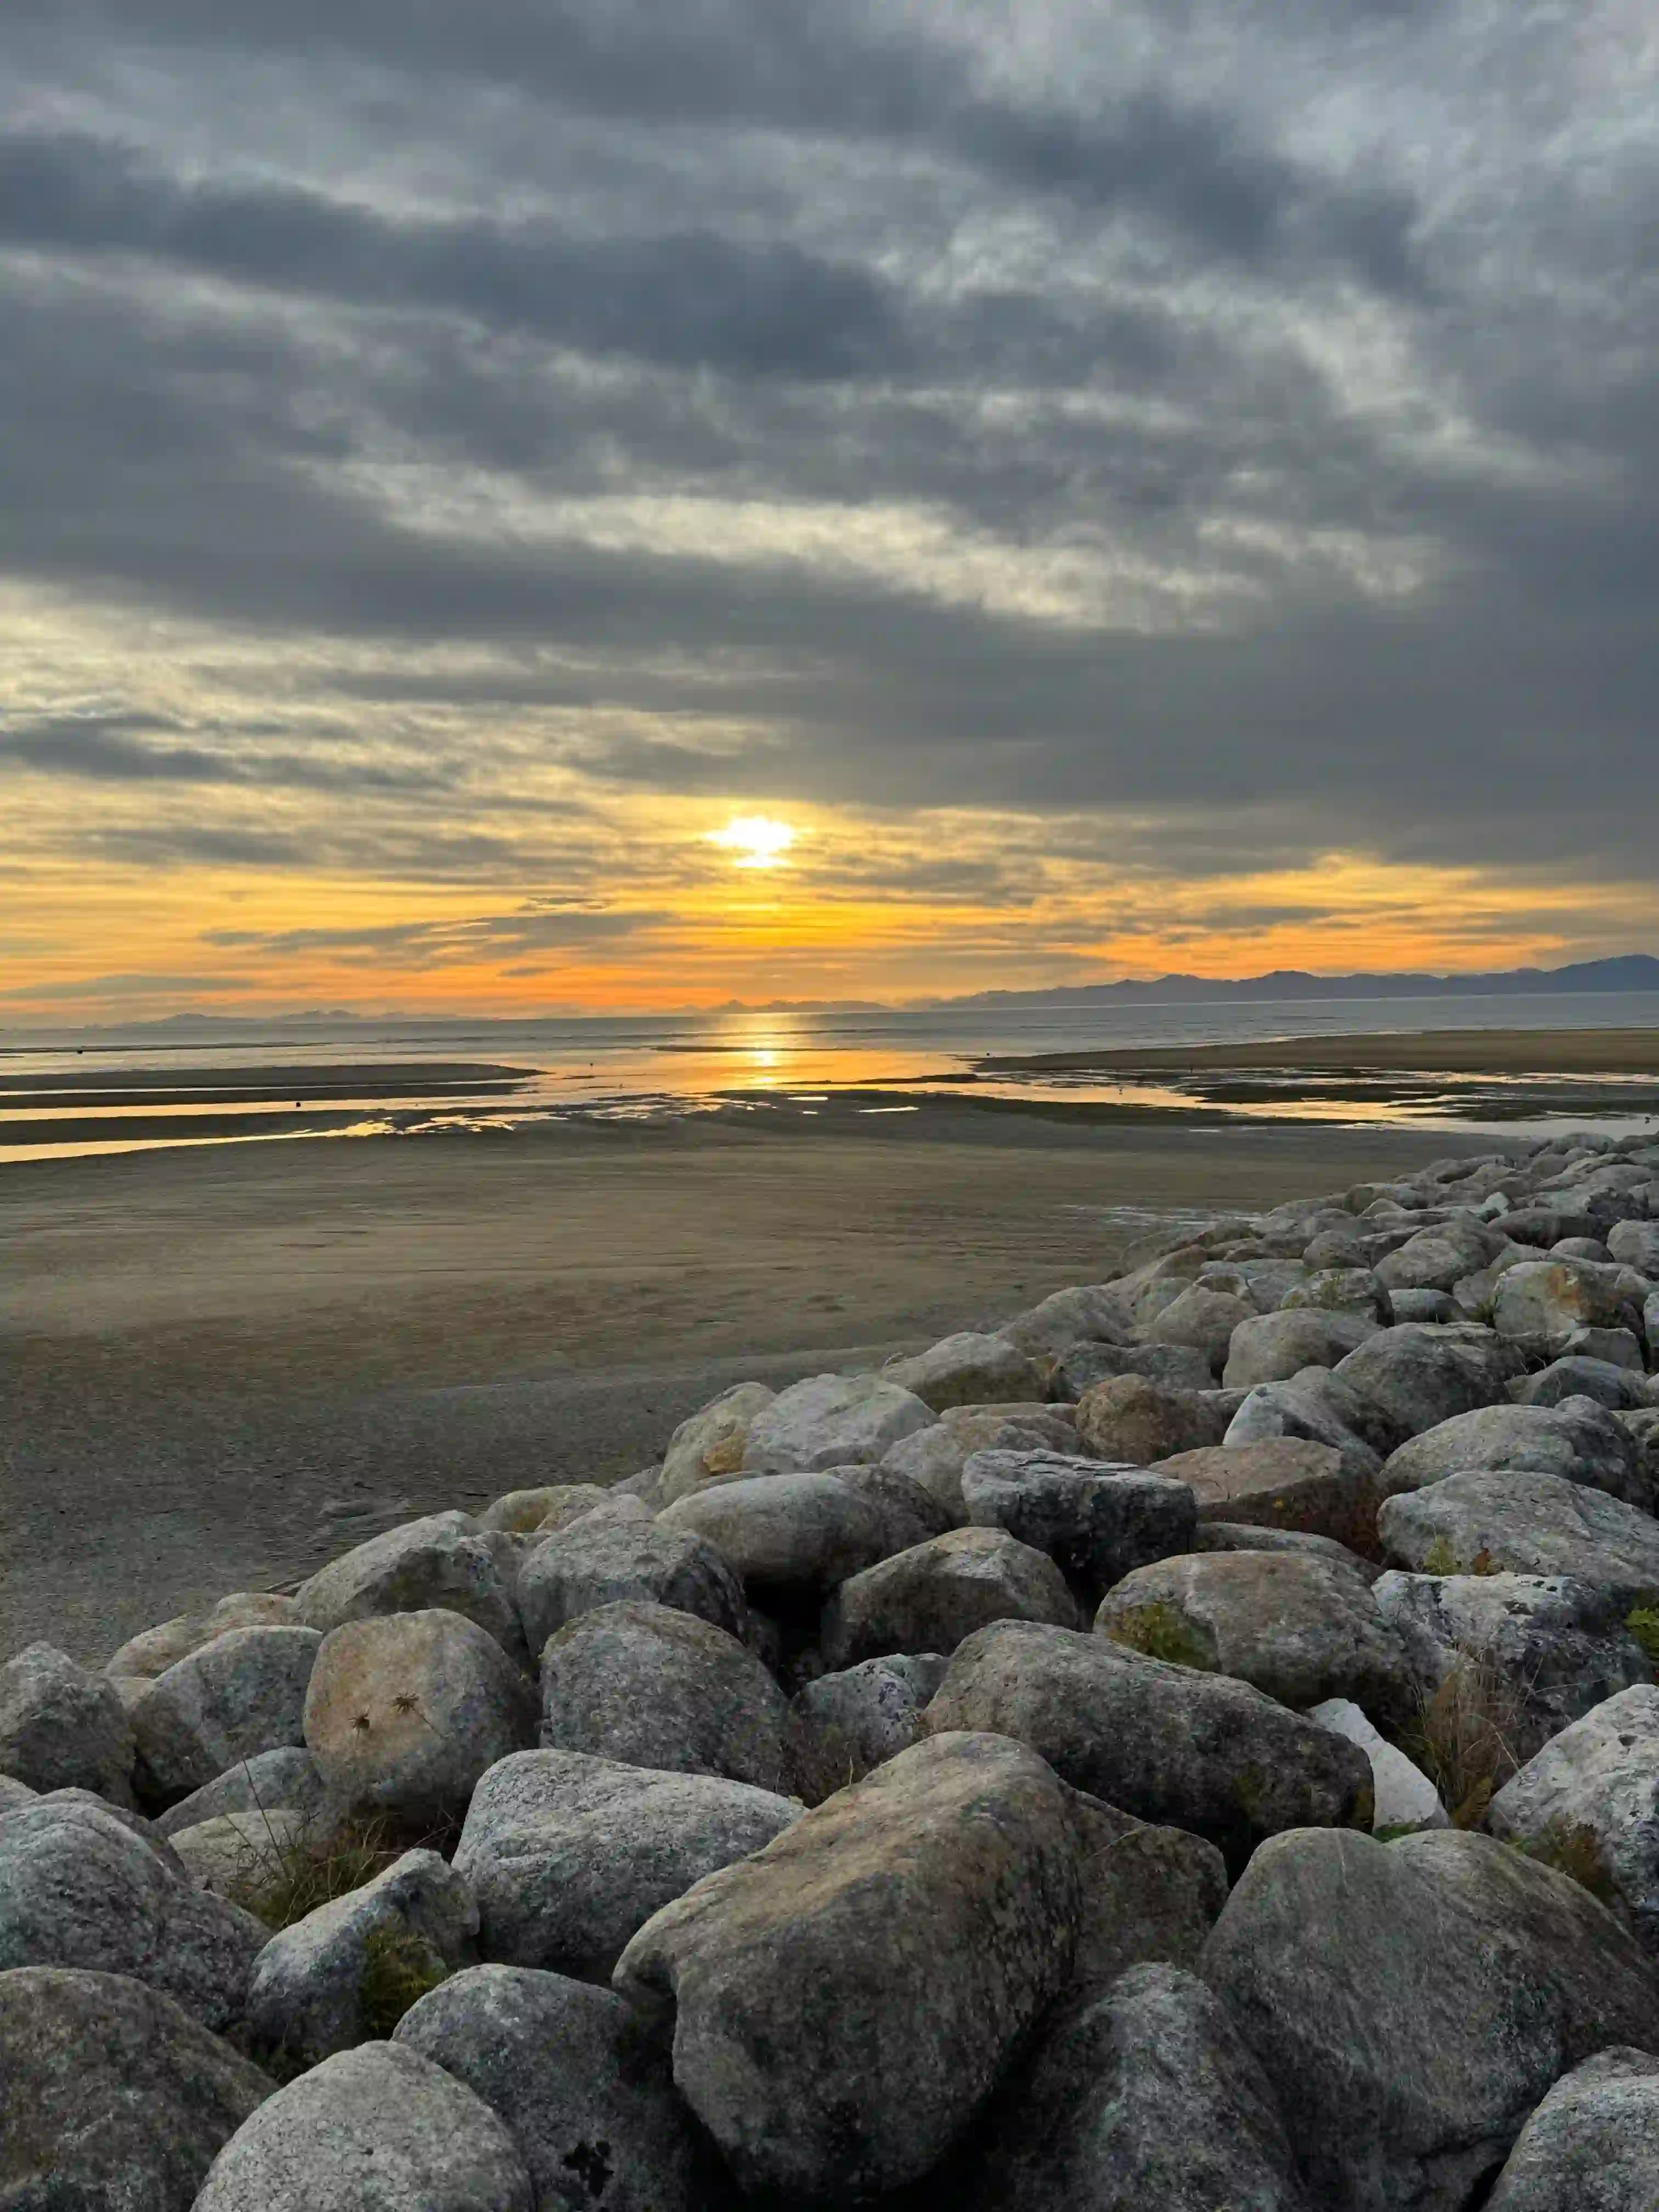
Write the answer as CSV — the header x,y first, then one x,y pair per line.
x,y
1631,972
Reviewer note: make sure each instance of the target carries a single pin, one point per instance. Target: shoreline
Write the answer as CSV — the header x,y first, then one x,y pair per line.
x,y
1511,1052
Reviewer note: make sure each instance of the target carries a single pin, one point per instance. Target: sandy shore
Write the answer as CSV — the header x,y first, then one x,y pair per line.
x,y
218,1364
1516,1052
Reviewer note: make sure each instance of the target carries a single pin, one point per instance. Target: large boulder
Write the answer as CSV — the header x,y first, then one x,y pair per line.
x,y
908,1514
1149,1893
1147,2098
933,1458
1343,1290
1240,1536
967,1369
845,1999
1485,1520
1636,1244
79,1887
658,1688
1084,1312
1281,1482
1516,1657
1417,1377
245,1856
779,1532
586,1566
347,1973
1096,1522
1300,1629
1579,1441
231,1699
1404,1796
1177,1366
62,1728
1436,1258
1411,2001
928,1598
548,1505
445,1563
283,1781
569,1855
1138,1423
712,1440
1607,1382
1310,1408
1202,1318
405,1710
832,1420
379,2129
113,2098
584,2088
1545,1300
1592,2145
846,1725
1589,1803
1274,1346
1164,1742
155,1650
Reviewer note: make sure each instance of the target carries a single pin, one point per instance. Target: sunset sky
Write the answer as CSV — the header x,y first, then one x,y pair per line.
x,y
541,504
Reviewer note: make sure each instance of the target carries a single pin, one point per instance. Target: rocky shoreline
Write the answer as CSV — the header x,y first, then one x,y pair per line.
x,y
1192,1744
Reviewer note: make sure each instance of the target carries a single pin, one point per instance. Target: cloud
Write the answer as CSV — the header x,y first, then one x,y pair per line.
x,y
439,944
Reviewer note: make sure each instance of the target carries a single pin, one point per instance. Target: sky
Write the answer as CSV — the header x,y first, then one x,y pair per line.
x,y
1086,487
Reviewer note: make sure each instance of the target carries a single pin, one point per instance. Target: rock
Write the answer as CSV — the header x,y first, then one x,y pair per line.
x,y
1405,1798
1138,1423
1603,1381
1299,1412
1636,1244
909,1514
112,2096
1274,1346
1588,1803
1434,1259
1343,1290
375,2130
831,1421
820,2071
1411,2003
1556,1648
1615,1347
1177,1366
1577,1440
1282,1482
157,1649
241,1856
1592,2145
1095,1522
1547,1300
712,1440
933,1458
928,1598
13,1794
570,1855
658,1688
62,1728
1524,1524
1203,1319
780,1532
1424,1306
285,1781
1085,1313
653,1562
1163,1742
445,1563
1301,1630
1238,1536
967,1369
347,1972
405,1711
242,1694
78,1887
521,1512
584,2090
1147,2098
845,1725
1149,1893
1418,1377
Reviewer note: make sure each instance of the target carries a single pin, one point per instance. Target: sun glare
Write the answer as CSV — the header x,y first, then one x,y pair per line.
x,y
756,840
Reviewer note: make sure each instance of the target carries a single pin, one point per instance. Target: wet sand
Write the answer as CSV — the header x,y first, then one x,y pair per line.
x,y
219,1366
1517,1052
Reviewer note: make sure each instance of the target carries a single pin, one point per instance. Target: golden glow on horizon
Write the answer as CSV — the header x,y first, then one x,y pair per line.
x,y
757,840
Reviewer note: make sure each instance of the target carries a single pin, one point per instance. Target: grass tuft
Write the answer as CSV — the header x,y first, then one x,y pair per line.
x,y
399,1968
1466,1736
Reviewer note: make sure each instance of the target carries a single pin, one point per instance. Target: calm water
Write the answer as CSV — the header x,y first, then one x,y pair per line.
x,y
61,1099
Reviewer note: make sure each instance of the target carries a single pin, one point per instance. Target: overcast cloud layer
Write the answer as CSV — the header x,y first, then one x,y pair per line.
x,y
1108,470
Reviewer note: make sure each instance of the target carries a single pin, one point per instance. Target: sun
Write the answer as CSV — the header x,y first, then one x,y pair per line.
x,y
756,840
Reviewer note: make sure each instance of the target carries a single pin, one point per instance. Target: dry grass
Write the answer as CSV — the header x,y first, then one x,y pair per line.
x,y
292,1878
1468,1737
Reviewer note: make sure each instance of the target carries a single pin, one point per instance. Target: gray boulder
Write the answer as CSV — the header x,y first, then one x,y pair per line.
x,y
712,1440
156,1649
1592,2145
1524,1524
933,1458
1605,1382
845,1725
1177,1366
1149,1893
379,2129
833,1420
79,1887
1204,1319
1085,1312
242,1856
1149,2097
342,1975
1578,1441
1434,1259
445,1563
570,1855
1417,1377
658,1688
551,1506
1137,1423
1405,1797
1240,1536
1636,1244
1426,1306
231,1699
1281,1482
653,1562
283,1781
967,1369
1308,1412
928,1598
1096,1522
1300,1629
1342,1290
1274,1346
908,1514
821,2071
62,1728
113,2098
1411,2001
584,2088
405,1710
1164,1742
1618,1347
779,1532
1544,1301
